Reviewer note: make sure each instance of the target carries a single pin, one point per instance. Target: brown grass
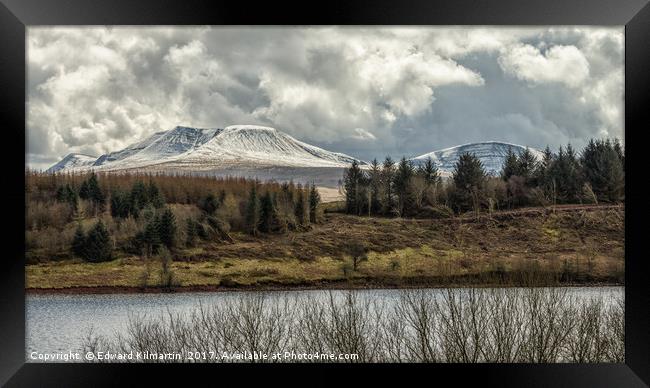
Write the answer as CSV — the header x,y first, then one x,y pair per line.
x,y
565,246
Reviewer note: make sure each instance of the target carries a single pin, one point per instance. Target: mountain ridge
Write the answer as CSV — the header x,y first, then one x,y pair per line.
x,y
259,151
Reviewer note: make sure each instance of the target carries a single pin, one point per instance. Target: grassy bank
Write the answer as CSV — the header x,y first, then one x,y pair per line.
x,y
570,245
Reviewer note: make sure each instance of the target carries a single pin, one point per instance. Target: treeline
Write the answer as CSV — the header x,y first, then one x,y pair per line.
x,y
596,174
144,214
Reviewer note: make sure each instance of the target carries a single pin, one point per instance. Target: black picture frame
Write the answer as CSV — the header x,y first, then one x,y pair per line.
x,y
16,15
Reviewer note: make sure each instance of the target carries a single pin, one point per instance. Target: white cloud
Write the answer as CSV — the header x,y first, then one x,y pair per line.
x,y
96,89
562,64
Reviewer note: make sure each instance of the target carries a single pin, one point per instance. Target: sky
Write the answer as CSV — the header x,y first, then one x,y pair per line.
x,y
364,91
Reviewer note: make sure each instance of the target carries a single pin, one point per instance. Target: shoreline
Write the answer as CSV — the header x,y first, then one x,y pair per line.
x,y
106,290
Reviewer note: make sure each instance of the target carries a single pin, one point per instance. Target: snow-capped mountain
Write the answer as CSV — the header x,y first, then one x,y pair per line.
x,y
263,146
128,151
491,153
244,150
72,161
257,151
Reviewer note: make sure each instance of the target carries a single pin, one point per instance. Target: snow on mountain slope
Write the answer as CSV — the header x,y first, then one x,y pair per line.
x,y
491,153
128,151
72,161
169,145
234,148
245,144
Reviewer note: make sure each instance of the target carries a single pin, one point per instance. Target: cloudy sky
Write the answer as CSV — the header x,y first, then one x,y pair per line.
x,y
367,92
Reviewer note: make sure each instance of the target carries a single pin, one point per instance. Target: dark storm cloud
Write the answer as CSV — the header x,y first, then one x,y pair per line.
x,y
367,92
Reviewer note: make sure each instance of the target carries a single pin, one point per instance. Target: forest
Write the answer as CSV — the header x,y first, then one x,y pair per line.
x,y
400,189
90,216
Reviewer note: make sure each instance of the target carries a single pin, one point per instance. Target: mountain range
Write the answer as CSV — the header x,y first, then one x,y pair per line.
x,y
257,151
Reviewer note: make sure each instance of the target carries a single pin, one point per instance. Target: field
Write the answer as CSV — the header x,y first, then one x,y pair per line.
x,y
571,244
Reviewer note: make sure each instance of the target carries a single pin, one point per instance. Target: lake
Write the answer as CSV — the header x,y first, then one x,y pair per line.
x,y
56,323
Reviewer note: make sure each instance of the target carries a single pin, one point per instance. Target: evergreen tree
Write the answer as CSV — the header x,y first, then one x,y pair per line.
x,y
84,193
387,175
167,228
544,174
190,232
429,172
95,194
468,177
354,179
510,165
301,212
567,176
138,198
618,148
209,204
314,201
374,205
67,195
120,204
151,236
98,244
402,185
252,212
154,196
526,165
268,214
603,170
79,242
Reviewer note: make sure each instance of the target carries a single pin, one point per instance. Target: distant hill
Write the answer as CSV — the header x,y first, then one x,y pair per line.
x,y
491,153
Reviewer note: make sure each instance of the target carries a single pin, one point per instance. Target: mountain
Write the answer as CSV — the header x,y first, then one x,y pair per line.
x,y
258,152
72,161
243,144
491,153
237,150
128,151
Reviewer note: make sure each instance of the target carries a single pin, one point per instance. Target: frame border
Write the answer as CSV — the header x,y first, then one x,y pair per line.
x,y
17,15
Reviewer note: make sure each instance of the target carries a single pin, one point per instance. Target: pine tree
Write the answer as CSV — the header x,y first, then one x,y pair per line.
x,y
544,174
387,175
154,196
95,194
190,232
84,193
402,185
569,180
429,172
354,179
301,213
268,214
618,148
374,205
209,204
468,177
120,204
79,242
167,228
138,198
314,201
252,212
510,165
526,165
602,169
98,244
151,236
67,195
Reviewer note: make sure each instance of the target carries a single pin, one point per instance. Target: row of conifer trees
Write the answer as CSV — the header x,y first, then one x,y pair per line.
x,y
596,174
